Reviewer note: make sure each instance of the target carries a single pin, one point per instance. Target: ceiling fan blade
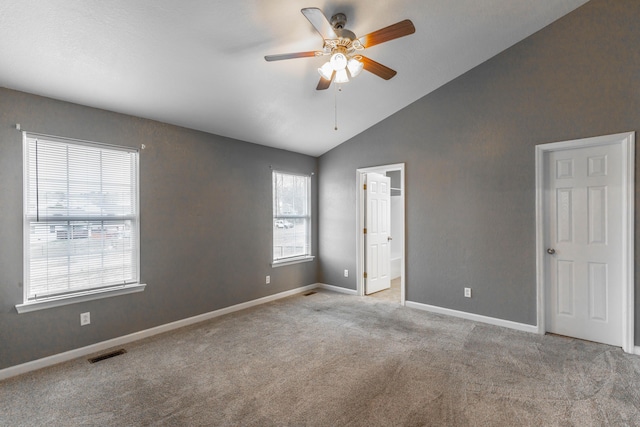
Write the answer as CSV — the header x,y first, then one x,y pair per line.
x,y
377,68
319,22
282,56
324,83
397,30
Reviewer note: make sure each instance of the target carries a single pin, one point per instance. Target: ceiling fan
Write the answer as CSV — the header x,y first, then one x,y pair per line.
x,y
345,49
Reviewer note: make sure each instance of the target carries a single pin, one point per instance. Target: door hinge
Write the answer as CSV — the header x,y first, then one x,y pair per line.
x,y
364,187
364,231
365,274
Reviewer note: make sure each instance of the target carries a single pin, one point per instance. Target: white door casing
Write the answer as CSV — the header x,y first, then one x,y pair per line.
x,y
377,236
585,239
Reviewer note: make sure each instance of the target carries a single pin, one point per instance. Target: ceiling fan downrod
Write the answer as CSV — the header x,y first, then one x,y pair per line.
x,y
338,21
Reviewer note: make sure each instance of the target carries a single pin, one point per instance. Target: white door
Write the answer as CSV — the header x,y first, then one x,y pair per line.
x,y
377,219
583,234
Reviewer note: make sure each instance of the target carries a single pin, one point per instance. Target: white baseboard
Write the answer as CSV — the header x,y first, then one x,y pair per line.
x,y
337,289
637,350
12,371
476,317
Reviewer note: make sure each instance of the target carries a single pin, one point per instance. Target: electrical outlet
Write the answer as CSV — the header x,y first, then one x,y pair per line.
x,y
467,292
268,280
346,273
85,318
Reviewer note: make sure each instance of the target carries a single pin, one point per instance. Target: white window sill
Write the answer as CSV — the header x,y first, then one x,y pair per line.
x,y
290,261
79,297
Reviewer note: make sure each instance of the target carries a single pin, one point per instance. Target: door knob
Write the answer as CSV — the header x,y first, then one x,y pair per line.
x,y
551,251
389,238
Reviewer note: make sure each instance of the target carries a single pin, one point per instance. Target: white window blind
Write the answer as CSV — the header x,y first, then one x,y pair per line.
x,y
291,216
81,217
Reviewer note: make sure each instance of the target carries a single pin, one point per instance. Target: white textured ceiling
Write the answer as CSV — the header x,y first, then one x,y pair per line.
x,y
200,63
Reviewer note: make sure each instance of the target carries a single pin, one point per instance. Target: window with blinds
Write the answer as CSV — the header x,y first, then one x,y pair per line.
x,y
80,217
291,217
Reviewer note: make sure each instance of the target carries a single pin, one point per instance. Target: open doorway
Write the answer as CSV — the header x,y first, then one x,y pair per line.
x,y
396,267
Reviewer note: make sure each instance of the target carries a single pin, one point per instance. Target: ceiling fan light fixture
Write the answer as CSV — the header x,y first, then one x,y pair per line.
x,y
344,48
341,76
355,67
326,71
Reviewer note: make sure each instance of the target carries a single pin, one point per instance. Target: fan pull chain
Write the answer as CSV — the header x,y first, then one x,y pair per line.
x,y
335,105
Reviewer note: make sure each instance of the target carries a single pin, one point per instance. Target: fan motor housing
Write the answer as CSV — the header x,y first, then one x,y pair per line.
x,y
338,22
345,34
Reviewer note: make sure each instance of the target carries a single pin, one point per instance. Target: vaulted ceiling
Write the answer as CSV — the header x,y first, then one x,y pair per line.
x,y
200,63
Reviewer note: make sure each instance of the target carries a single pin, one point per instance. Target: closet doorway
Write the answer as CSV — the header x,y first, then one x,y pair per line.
x,y
396,267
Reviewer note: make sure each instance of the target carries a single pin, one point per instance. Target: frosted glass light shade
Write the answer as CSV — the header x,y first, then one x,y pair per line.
x,y
354,67
341,76
338,61
326,71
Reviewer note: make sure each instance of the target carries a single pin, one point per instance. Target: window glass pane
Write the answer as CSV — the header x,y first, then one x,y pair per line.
x,y
70,256
79,181
290,238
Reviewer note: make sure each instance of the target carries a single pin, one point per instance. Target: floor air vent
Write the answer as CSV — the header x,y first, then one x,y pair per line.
x,y
310,293
107,355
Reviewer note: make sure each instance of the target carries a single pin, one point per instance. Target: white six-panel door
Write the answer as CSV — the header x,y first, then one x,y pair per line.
x,y
583,223
378,225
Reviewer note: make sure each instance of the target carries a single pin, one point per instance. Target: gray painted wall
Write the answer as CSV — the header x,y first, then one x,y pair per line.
x,y
469,154
206,226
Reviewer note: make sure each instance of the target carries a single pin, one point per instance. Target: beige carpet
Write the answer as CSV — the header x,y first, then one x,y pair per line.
x,y
333,360
392,294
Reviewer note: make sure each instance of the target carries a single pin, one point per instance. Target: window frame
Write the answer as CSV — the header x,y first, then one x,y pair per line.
x,y
30,304
309,221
